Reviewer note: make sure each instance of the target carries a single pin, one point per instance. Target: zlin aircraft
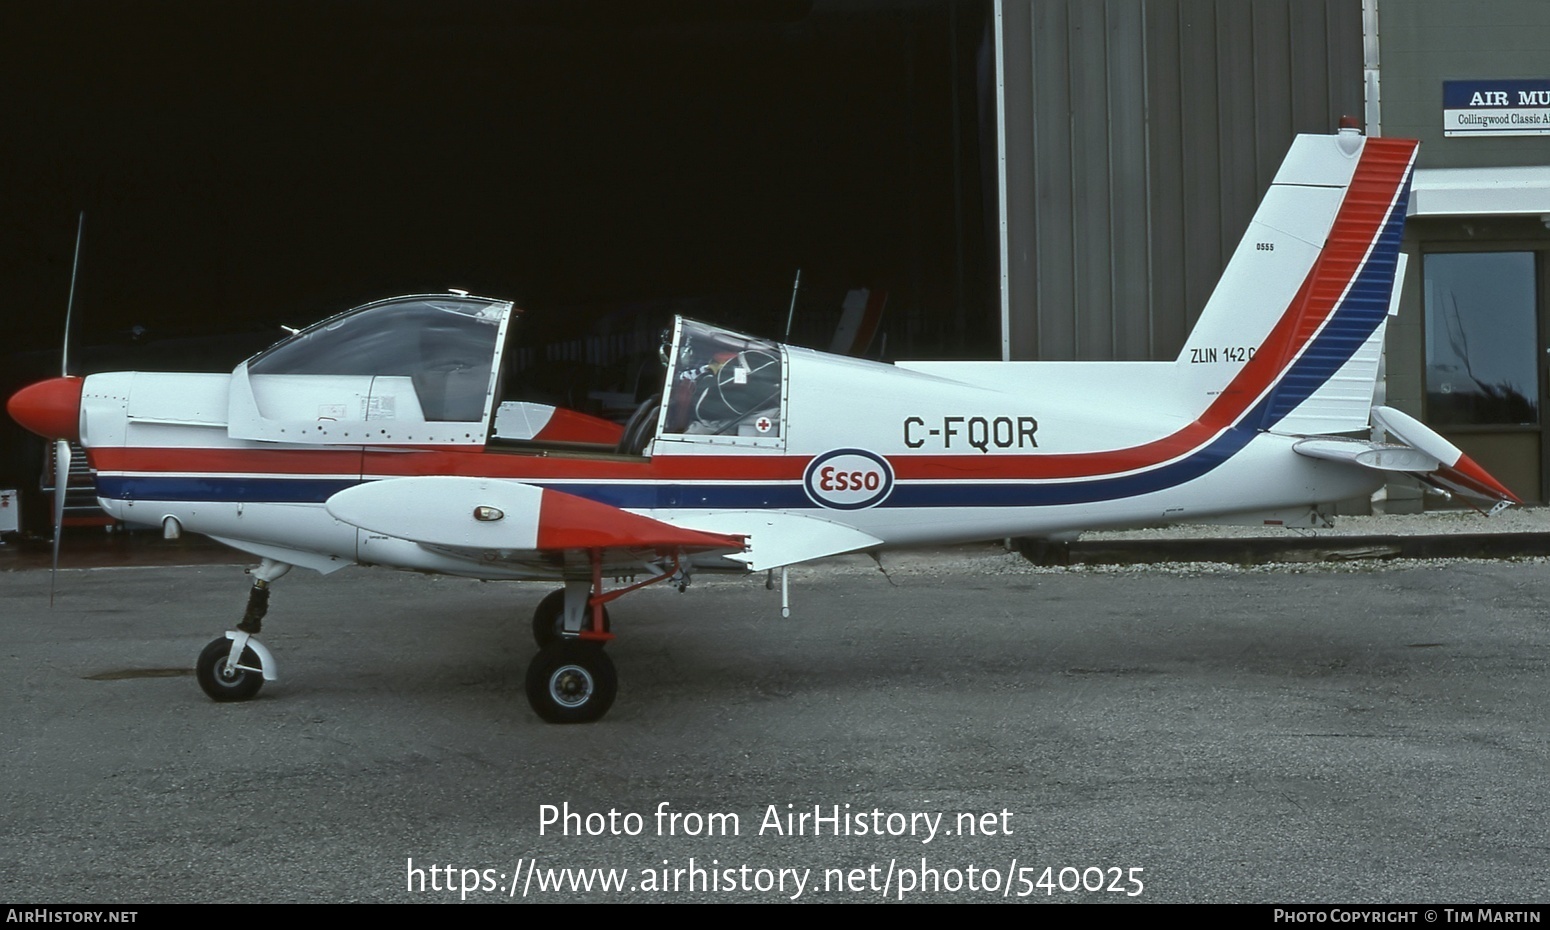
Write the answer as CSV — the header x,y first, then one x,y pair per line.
x,y
383,437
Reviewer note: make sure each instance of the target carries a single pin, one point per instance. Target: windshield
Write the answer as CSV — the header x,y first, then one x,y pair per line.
x,y
724,384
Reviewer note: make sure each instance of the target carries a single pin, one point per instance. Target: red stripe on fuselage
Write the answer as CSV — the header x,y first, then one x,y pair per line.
x,y
325,460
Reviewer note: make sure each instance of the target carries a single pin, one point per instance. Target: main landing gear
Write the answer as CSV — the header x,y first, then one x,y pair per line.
x,y
572,680
549,618
235,666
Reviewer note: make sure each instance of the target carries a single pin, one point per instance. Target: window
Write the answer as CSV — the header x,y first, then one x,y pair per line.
x,y
1481,339
725,385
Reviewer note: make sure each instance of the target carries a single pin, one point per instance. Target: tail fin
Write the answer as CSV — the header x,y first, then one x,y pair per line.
x,y
1291,335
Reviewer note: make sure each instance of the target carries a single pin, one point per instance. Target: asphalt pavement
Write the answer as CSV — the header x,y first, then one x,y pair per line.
x,y
967,727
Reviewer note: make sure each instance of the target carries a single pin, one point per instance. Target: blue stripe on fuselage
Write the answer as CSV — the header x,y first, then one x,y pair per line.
x,y
300,490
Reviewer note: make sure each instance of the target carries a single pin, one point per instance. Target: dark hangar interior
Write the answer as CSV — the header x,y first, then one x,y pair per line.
x,y
247,165
257,163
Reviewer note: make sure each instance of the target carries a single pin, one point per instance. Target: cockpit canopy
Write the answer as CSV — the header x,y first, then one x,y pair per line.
x,y
446,345
428,369
408,369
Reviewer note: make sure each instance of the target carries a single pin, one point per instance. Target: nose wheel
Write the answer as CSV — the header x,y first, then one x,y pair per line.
x,y
235,666
571,681
225,680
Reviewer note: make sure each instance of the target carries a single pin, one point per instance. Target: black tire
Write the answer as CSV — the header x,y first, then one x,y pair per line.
x,y
210,670
549,618
571,681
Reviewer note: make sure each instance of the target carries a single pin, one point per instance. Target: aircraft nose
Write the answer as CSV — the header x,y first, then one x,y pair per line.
x,y
51,408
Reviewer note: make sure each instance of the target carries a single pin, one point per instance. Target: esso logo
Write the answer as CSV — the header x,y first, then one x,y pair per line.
x,y
848,479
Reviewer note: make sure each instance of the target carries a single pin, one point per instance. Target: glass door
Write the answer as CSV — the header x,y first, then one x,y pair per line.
x,y
1484,387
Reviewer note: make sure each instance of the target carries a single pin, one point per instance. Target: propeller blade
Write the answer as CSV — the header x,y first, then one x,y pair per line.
x,y
61,482
62,446
75,265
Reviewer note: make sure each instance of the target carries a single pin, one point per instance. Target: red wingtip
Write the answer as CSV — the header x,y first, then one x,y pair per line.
x,y
51,408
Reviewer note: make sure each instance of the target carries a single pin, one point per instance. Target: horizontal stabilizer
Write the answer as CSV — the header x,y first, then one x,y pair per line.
x,y
777,539
1457,473
493,514
1419,452
1375,455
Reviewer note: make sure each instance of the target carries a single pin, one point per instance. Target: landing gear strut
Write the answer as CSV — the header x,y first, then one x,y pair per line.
x,y
572,680
549,618
235,666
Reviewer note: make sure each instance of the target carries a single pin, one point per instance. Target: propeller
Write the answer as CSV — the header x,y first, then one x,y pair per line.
x,y
61,478
62,446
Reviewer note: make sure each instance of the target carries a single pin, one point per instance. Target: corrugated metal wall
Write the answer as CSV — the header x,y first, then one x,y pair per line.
x,y
1139,135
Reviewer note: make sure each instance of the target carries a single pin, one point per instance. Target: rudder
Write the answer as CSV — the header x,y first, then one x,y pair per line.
x,y
1294,324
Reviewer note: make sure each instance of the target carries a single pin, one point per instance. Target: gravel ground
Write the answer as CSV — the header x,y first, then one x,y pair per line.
x,y
992,559
1433,523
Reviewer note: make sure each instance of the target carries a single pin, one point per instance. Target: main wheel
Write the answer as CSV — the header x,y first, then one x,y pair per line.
x,y
220,685
549,618
571,681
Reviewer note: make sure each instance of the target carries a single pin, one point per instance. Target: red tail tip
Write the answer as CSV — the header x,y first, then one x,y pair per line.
x,y
1469,467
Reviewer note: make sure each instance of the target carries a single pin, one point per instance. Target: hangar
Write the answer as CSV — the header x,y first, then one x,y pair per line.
x,y
1051,180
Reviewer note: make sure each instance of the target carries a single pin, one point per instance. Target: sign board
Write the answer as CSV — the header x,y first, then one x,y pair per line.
x,y
1496,108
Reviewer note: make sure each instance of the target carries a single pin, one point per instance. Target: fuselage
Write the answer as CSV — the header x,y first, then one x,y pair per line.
x,y
905,457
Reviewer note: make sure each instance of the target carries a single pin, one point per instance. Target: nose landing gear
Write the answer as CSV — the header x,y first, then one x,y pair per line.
x,y
235,666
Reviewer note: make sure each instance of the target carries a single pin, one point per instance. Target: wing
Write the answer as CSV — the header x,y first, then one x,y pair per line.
x,y
494,519
775,539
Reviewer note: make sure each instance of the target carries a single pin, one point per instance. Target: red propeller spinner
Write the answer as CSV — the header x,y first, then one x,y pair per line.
x,y
51,408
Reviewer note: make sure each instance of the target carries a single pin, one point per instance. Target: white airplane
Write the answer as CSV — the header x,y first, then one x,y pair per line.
x,y
382,437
